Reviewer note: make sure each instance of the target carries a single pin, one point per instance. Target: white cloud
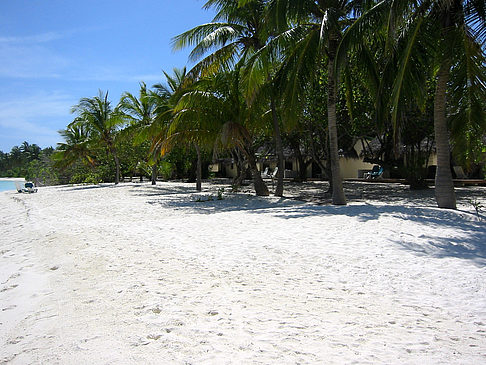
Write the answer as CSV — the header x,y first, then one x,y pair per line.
x,y
36,105
38,57
36,117
115,74
48,36
36,38
35,56
149,78
30,62
31,56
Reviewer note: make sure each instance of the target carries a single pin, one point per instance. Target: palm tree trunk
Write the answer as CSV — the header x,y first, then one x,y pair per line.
x,y
444,186
117,164
302,164
112,150
154,174
198,168
338,197
261,188
241,168
279,149
327,170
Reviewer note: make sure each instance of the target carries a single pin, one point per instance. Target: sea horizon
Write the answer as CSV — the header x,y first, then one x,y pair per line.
x,y
8,183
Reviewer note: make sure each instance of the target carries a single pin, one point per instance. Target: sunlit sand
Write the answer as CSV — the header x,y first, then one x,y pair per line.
x,y
136,274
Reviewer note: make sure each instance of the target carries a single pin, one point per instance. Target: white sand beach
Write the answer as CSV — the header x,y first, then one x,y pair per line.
x,y
136,274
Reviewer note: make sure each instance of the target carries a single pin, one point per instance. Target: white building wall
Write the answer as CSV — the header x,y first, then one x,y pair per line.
x,y
350,167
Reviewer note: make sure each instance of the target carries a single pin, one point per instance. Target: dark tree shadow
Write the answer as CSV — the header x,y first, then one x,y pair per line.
x,y
160,190
470,246
469,243
85,187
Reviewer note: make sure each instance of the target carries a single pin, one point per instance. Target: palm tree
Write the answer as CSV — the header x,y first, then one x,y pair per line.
x,y
30,152
234,34
237,32
74,148
164,139
141,112
15,156
461,28
213,113
187,126
446,36
368,46
309,33
101,122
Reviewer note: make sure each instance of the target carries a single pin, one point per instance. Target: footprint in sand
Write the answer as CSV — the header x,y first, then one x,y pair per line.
x,y
13,276
15,340
9,288
8,308
153,337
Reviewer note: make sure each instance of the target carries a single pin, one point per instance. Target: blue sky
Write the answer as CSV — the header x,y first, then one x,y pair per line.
x,y
54,52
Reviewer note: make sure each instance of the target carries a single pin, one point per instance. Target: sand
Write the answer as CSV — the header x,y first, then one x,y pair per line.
x,y
135,274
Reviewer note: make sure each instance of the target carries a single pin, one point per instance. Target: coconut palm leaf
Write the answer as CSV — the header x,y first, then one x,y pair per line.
x,y
76,146
101,122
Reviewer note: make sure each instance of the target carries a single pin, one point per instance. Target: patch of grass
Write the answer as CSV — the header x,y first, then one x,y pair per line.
x,y
478,207
220,193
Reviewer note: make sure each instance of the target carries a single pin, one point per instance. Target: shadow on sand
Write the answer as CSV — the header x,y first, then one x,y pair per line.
x,y
470,246
369,202
467,242
160,190
85,187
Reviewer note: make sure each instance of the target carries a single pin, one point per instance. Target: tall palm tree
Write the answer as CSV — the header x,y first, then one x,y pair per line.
x,y
461,30
165,138
188,126
141,111
237,32
213,113
101,122
309,32
446,36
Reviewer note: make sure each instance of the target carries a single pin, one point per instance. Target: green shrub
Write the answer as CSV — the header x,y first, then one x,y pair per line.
x,y
166,169
77,178
92,179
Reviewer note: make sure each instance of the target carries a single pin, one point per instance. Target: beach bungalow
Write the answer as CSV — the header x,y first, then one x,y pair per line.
x,y
355,163
352,164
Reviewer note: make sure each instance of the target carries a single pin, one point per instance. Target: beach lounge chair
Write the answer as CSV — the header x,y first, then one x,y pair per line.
x,y
273,176
265,173
459,172
29,188
18,187
274,173
376,172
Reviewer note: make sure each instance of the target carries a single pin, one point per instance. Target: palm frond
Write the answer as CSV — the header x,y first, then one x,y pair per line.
x,y
207,37
404,67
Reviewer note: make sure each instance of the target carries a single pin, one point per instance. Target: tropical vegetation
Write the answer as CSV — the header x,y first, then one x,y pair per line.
x,y
314,77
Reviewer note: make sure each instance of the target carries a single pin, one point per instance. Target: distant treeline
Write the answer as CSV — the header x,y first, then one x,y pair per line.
x,y
309,80
46,166
28,161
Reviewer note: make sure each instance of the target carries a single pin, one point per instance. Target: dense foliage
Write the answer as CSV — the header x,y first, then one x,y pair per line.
x,y
403,79
28,161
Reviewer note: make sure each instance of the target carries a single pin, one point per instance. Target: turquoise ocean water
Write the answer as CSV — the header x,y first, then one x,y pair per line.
x,y
7,185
